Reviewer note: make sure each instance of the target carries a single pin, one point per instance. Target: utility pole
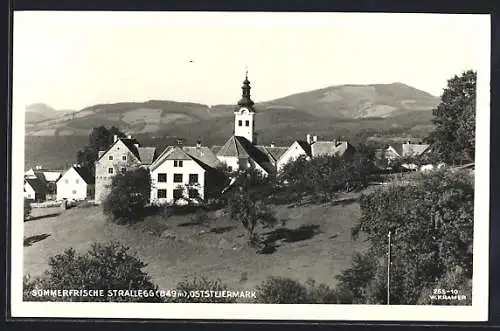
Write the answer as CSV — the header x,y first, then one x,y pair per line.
x,y
389,268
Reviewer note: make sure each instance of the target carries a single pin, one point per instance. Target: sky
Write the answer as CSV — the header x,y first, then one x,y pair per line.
x,y
71,60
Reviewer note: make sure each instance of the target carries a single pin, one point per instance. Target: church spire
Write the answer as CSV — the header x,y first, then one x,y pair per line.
x,y
246,100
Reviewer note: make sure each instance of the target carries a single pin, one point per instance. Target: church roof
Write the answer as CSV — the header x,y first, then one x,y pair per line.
x,y
274,152
240,147
234,147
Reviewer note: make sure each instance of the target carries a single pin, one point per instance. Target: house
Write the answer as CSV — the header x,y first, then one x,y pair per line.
x,y
76,183
311,148
123,154
35,189
182,172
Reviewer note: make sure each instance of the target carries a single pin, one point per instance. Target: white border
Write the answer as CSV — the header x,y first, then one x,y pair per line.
x,y
477,312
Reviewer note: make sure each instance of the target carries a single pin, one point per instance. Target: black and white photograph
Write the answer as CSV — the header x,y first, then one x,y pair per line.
x,y
250,165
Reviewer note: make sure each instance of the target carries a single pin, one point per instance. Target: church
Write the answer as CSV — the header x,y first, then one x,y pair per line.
x,y
184,171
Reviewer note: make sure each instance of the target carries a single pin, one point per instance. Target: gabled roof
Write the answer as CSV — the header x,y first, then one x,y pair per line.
x,y
85,174
414,149
203,154
330,148
146,154
274,152
37,185
305,146
234,147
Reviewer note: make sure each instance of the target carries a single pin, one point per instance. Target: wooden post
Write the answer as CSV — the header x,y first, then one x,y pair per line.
x,y
389,268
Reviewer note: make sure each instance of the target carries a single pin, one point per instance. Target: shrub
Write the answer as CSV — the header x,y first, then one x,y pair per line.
x,y
199,289
27,209
102,267
129,195
282,290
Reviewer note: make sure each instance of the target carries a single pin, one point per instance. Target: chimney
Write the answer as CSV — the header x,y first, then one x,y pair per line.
x,y
198,144
115,138
308,138
272,144
129,137
315,139
179,142
76,165
136,145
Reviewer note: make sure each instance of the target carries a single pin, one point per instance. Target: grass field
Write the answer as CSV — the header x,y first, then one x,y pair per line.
x,y
312,241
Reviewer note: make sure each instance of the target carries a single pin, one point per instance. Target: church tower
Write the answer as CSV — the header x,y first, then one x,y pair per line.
x,y
244,114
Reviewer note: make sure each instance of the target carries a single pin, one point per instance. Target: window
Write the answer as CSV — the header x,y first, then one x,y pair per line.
x,y
77,181
74,192
193,193
177,178
240,123
124,157
178,193
66,181
161,194
123,170
247,123
110,170
110,157
193,178
162,178
178,163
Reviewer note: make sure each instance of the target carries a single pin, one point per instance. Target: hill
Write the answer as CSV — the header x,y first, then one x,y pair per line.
x,y
39,112
355,112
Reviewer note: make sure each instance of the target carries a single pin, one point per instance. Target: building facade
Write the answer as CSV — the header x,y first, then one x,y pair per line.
x,y
75,184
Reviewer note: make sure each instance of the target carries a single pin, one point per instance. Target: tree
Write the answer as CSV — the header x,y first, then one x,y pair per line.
x,y
129,196
103,267
453,140
247,201
27,209
249,212
431,224
100,138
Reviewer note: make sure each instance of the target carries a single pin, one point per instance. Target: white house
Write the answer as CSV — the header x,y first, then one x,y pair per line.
x,y
76,183
298,148
181,172
312,147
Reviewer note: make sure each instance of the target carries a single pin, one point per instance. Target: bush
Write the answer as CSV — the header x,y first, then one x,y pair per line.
x,y
282,290
102,267
129,195
27,209
199,285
